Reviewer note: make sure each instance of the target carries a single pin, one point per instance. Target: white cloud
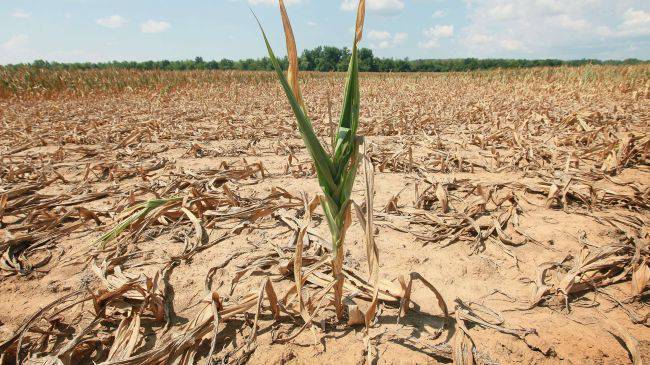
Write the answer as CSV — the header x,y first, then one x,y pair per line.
x,y
438,14
575,24
385,7
399,38
21,14
378,35
635,22
511,44
502,11
15,43
312,24
605,31
154,26
478,38
113,21
440,31
273,2
553,28
433,35
15,50
381,39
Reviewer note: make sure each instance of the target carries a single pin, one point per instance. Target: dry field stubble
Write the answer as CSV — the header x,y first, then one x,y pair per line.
x,y
522,196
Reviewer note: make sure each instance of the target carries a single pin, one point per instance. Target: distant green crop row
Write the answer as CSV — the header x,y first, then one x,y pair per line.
x,y
334,59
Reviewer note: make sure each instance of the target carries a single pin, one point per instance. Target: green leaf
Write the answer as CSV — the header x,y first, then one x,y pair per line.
x,y
322,162
144,208
336,173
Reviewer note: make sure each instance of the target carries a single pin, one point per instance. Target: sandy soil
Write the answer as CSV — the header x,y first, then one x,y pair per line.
x,y
510,134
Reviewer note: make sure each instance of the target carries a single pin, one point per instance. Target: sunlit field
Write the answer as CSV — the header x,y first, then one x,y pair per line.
x,y
152,216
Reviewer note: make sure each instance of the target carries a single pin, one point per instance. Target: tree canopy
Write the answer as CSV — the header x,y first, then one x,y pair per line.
x,y
327,58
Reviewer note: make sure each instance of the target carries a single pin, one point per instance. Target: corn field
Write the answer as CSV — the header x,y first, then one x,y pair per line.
x,y
170,217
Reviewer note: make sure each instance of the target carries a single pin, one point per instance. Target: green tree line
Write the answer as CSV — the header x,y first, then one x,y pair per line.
x,y
326,58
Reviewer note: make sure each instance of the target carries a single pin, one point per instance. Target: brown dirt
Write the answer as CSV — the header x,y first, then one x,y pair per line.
x,y
510,131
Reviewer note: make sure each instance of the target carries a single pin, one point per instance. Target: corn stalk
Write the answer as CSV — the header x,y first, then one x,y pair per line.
x,y
336,172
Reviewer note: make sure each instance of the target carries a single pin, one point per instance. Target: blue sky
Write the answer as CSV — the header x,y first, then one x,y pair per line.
x,y
103,30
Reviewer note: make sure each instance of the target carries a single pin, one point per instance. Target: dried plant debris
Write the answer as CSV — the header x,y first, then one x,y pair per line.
x,y
170,224
593,268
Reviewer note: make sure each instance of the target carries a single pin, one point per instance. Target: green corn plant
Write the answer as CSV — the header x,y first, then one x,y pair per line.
x,y
139,212
336,172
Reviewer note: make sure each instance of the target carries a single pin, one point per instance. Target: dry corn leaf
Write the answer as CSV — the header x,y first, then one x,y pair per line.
x,y
640,279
